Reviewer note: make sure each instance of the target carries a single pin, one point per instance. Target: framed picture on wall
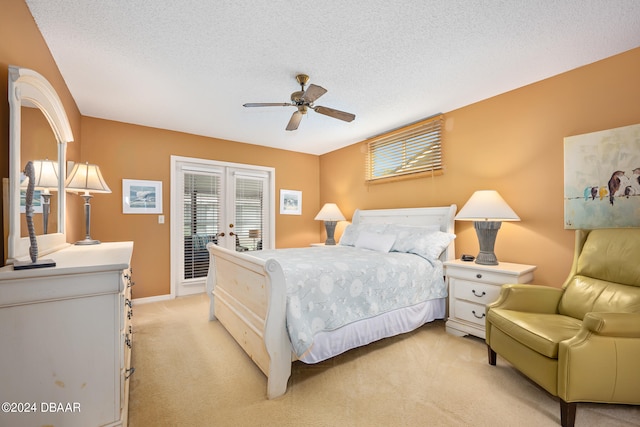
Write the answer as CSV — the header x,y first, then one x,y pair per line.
x,y
141,196
290,202
602,179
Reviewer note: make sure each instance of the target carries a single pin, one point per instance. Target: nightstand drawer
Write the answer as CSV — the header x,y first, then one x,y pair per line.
x,y
484,276
475,292
474,313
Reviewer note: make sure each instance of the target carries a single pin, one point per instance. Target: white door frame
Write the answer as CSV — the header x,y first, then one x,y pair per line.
x,y
176,211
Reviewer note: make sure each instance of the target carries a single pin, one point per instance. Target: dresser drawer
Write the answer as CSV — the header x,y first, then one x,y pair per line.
x,y
476,292
474,313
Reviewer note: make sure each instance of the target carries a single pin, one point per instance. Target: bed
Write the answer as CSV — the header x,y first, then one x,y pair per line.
x,y
262,298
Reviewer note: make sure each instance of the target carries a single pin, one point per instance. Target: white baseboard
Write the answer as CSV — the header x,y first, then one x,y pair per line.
x,y
166,297
148,300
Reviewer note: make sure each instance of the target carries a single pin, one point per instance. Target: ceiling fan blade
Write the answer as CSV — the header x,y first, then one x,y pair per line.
x,y
312,93
336,114
267,104
294,122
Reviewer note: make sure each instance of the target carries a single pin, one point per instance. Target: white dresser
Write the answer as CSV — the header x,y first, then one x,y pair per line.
x,y
472,286
65,339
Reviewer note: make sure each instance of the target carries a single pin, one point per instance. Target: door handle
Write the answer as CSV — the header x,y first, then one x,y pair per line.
x,y
220,234
232,233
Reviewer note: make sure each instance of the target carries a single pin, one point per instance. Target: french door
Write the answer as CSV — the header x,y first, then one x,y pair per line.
x,y
227,204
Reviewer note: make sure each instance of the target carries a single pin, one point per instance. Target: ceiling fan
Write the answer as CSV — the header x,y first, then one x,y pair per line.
x,y
303,100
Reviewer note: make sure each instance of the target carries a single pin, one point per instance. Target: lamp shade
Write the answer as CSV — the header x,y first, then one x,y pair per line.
x,y
486,205
46,175
330,212
87,178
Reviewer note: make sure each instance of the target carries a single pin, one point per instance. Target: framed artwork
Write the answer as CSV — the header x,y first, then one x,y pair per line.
x,y
37,197
602,179
141,197
290,202
37,201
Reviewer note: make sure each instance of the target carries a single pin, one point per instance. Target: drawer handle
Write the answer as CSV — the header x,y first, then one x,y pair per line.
x,y
477,294
479,276
476,316
129,372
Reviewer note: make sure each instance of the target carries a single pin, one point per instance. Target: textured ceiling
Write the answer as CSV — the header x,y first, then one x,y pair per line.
x,y
189,65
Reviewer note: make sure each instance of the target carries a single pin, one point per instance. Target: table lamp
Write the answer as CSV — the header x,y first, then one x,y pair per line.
x,y
254,234
46,180
487,209
330,214
87,178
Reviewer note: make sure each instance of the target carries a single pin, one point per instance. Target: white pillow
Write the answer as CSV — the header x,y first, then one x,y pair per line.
x,y
406,234
375,241
352,231
427,244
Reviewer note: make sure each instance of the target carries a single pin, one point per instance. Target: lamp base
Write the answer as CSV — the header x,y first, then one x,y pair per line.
x,y
331,228
87,241
27,265
487,232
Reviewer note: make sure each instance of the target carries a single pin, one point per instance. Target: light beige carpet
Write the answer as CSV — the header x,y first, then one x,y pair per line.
x,y
190,372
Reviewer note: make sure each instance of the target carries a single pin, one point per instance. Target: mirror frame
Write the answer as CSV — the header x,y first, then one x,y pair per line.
x,y
29,88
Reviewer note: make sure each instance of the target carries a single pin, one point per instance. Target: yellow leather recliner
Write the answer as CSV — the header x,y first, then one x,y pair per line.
x,y
580,342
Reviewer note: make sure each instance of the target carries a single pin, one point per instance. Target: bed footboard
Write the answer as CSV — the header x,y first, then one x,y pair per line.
x,y
248,297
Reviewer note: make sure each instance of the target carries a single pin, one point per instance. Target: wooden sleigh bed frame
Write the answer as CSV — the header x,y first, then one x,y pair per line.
x,y
248,294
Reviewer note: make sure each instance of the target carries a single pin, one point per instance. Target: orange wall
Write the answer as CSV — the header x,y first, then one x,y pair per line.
x,y
125,151
512,143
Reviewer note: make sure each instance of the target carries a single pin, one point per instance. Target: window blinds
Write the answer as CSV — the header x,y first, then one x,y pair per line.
x,y
249,204
408,150
201,221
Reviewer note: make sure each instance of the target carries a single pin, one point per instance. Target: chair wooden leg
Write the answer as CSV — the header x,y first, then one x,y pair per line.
x,y
567,413
492,355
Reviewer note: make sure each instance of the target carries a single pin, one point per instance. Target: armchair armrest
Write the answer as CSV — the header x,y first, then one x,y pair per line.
x,y
625,325
600,363
528,298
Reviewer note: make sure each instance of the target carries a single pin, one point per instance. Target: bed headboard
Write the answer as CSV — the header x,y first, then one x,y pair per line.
x,y
443,216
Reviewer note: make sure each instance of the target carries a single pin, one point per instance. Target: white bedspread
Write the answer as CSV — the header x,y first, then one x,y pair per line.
x,y
329,287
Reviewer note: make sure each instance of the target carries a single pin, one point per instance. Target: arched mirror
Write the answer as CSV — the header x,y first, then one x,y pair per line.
x,y
38,131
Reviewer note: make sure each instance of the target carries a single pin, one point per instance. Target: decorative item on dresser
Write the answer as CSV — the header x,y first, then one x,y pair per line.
x,y
87,178
66,338
472,287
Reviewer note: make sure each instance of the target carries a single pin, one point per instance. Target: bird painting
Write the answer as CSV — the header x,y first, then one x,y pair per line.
x,y
615,183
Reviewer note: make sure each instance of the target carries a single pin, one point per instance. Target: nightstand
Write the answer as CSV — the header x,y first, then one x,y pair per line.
x,y
472,286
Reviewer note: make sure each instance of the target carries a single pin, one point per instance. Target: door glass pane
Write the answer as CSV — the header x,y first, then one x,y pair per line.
x,y
201,221
249,211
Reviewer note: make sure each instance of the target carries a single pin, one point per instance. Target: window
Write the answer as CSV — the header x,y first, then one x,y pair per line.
x,y
250,214
408,150
201,219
